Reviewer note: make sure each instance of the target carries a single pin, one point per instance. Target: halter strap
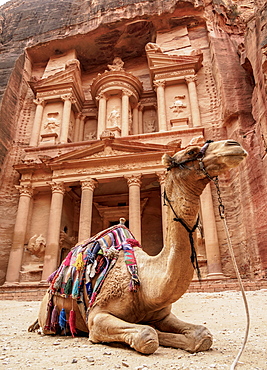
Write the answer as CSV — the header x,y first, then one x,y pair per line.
x,y
193,256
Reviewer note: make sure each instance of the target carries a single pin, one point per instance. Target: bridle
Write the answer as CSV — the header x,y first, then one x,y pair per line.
x,y
174,164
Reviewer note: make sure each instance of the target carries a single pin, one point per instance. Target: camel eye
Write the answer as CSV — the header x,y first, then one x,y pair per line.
x,y
191,152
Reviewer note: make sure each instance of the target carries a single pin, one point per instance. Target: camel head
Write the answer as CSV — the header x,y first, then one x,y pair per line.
x,y
214,158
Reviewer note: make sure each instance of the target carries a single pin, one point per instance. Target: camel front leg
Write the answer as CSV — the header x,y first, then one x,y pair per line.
x,y
104,327
175,333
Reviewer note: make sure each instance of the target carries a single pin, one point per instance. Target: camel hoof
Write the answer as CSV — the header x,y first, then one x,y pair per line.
x,y
204,344
146,342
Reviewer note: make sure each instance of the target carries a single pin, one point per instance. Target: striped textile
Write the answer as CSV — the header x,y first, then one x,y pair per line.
x,y
94,258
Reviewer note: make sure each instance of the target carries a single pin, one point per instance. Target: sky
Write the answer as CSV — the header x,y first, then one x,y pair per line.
x,y
3,2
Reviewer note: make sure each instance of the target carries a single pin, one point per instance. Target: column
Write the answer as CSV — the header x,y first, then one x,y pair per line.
x,y
88,187
77,127
134,184
53,232
162,118
211,237
164,209
140,118
102,112
68,100
135,121
37,121
191,83
16,253
125,113
81,128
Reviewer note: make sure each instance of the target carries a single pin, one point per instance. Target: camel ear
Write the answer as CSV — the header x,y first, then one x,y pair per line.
x,y
166,160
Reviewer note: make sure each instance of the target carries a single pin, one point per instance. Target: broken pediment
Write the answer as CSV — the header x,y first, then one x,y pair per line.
x,y
160,62
56,84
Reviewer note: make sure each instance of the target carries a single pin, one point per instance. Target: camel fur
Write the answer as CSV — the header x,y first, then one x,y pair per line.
x,y
143,319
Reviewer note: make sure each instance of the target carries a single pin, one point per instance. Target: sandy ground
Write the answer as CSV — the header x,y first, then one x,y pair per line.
x,y
223,313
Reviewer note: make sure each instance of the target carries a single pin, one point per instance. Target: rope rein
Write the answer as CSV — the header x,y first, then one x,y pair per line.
x,y
221,209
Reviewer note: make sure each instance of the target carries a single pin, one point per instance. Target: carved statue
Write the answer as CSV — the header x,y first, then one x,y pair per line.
x,y
117,65
141,317
114,118
36,245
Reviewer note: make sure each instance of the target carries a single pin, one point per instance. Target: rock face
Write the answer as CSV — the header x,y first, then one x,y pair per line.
x,y
69,47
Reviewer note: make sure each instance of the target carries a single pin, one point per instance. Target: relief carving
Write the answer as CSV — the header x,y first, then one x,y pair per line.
x,y
178,105
36,245
52,124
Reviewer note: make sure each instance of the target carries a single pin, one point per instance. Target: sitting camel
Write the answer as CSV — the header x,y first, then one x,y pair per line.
x,y
141,317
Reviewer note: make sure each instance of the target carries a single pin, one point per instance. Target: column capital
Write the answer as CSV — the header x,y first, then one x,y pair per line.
x,y
25,189
126,92
140,107
191,78
160,83
81,116
161,177
39,101
133,179
57,187
101,95
88,184
68,97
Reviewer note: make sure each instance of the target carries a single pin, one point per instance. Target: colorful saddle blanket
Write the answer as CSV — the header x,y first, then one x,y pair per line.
x,y
94,258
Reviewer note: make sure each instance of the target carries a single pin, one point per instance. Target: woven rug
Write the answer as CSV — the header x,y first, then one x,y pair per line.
x,y
94,258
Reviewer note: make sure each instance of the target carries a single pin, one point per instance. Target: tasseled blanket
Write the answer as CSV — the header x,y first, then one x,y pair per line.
x,y
94,258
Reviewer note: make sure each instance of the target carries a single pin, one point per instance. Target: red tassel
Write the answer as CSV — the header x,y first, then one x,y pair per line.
x,y
133,243
72,323
67,259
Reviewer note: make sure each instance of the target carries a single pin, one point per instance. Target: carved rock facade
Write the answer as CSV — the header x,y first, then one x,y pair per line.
x,y
93,95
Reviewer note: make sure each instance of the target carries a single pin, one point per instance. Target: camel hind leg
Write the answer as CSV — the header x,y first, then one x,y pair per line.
x,y
104,327
175,333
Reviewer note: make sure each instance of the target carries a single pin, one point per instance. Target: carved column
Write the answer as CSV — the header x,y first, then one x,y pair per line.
x,y
125,113
77,127
134,183
88,187
191,83
81,127
102,112
37,121
135,121
162,118
140,118
53,233
161,177
211,237
68,100
16,253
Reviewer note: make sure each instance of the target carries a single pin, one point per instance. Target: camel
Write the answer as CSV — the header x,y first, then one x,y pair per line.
x,y
143,319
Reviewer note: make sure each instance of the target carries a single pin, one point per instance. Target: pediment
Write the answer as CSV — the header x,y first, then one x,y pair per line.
x,y
69,77
162,62
108,149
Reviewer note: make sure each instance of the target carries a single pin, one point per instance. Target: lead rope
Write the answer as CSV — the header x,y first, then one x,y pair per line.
x,y
231,250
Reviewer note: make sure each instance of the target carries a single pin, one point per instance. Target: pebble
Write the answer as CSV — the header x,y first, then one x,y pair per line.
x,y
74,361
124,363
90,359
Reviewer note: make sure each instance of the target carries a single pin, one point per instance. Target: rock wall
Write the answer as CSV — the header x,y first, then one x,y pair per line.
x,y
232,36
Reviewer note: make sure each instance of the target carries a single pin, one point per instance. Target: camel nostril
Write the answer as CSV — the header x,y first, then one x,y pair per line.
x,y
232,142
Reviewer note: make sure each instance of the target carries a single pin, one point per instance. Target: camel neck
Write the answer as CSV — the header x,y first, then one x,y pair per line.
x,y
177,251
